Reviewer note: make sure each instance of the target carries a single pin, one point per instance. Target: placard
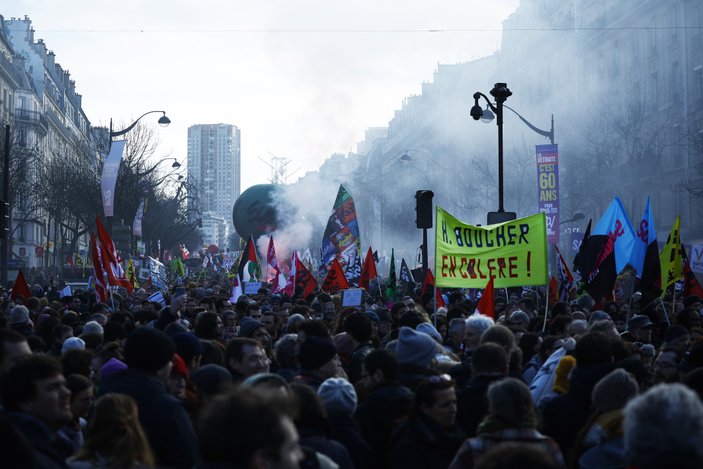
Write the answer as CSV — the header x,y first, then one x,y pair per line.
x,y
252,288
352,297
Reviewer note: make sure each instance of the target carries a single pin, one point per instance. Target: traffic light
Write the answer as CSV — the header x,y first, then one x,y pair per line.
x,y
4,219
423,209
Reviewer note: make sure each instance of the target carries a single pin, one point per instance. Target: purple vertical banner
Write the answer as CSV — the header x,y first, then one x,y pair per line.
x,y
548,188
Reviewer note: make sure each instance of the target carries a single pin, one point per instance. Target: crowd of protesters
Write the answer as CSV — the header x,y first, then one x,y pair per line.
x,y
275,381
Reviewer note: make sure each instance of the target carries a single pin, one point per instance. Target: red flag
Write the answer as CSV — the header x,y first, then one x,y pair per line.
x,y
20,287
368,270
98,272
303,279
566,280
426,286
553,291
115,274
185,253
70,261
690,282
486,305
335,280
271,255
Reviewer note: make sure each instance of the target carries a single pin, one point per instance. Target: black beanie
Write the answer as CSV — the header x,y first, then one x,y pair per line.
x,y
148,349
315,352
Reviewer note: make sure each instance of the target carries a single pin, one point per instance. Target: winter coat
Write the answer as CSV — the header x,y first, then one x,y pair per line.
x,y
317,439
345,430
565,415
162,416
36,436
422,444
385,406
472,402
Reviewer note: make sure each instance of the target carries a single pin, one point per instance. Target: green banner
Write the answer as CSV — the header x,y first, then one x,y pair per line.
x,y
514,253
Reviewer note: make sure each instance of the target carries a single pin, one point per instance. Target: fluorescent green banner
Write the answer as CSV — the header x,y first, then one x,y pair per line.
x,y
514,253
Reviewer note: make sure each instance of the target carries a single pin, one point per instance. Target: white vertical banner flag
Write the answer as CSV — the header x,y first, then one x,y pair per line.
x,y
137,225
111,167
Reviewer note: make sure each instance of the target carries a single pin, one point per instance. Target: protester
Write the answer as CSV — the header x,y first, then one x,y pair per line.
x,y
37,402
148,354
511,417
564,415
663,428
314,428
430,437
338,398
489,364
318,361
387,402
245,357
115,438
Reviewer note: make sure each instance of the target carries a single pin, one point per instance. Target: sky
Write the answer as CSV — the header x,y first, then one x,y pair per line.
x,y
301,79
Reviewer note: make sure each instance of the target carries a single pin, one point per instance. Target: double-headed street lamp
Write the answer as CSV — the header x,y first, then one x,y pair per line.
x,y
500,93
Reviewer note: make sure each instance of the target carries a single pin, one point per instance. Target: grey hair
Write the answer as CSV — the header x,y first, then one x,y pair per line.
x,y
480,322
663,428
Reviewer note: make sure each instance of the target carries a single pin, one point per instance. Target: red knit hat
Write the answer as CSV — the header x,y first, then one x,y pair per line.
x,y
179,366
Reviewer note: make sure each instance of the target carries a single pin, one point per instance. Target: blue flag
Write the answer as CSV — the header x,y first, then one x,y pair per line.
x,y
616,227
646,235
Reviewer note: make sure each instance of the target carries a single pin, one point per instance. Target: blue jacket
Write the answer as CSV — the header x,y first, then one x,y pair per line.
x,y
163,417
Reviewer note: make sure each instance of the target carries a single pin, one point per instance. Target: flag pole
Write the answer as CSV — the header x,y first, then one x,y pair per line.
x,y
434,288
666,314
546,309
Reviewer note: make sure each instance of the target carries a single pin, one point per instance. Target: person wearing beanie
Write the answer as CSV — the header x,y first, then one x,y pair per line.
x,y
416,352
188,347
318,361
92,327
255,329
112,366
177,378
210,380
18,320
430,330
148,354
72,343
338,397
600,443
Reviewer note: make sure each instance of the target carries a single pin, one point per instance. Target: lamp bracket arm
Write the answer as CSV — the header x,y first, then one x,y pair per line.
x,y
478,95
117,133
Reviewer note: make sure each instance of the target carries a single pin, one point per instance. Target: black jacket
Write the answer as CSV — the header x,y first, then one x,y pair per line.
x,y
473,402
31,433
163,417
384,408
422,444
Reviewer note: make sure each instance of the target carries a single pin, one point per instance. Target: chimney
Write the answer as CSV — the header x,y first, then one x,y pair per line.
x,y
50,59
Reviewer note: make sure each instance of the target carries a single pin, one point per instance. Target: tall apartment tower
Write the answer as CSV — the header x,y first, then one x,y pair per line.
x,y
214,161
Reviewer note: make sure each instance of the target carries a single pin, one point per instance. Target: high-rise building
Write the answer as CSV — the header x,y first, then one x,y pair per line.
x,y
214,161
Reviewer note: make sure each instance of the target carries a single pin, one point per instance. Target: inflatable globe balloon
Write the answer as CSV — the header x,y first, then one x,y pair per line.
x,y
254,212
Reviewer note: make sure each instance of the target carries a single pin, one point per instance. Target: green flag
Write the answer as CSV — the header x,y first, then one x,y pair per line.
x,y
392,287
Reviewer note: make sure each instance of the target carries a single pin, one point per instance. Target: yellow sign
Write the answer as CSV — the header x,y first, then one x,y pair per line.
x,y
513,253
671,257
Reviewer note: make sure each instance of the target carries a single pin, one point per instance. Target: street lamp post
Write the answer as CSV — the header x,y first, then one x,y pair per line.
x,y
500,93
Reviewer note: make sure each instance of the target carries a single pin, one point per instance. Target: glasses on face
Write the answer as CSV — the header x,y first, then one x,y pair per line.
x,y
443,378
